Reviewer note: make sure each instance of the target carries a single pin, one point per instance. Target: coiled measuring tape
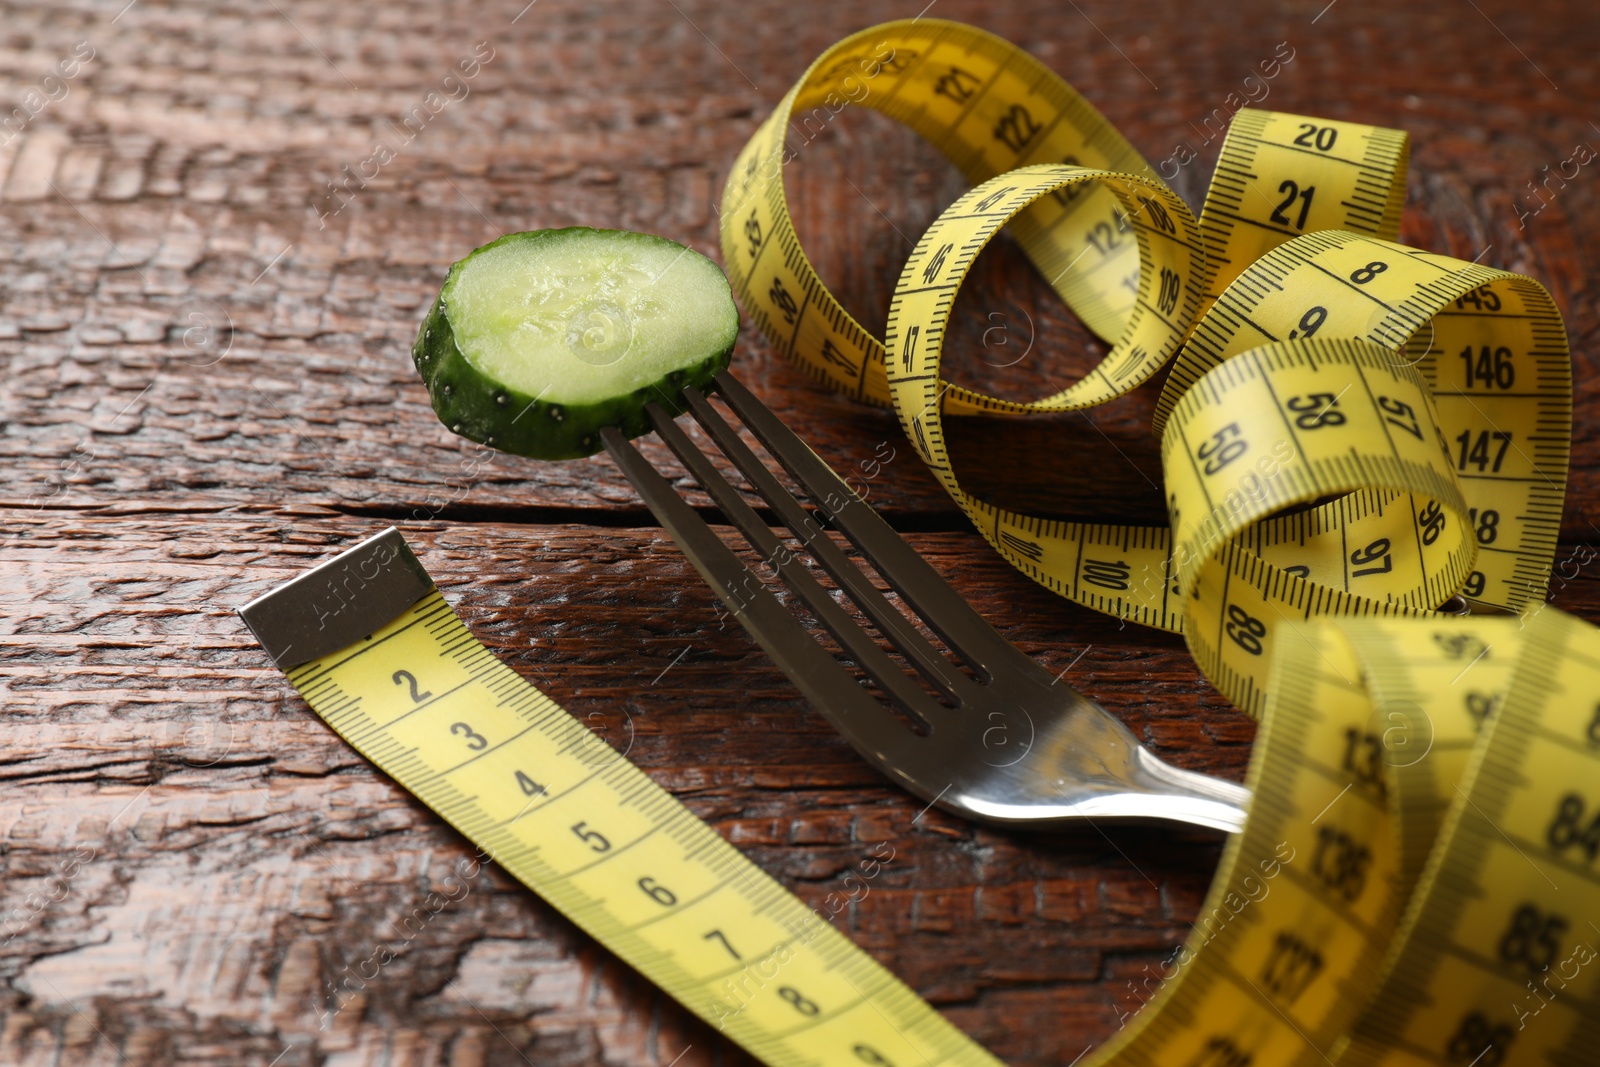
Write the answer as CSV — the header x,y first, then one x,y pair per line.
x,y
1430,396
1417,881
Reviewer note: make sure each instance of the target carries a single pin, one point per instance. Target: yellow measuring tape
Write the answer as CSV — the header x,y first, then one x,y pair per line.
x,y
1351,432
1449,472
1416,883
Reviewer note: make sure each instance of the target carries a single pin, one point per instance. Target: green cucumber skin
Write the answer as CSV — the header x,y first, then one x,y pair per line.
x,y
481,409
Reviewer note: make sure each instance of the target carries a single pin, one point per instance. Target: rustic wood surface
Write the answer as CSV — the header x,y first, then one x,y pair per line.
x,y
208,388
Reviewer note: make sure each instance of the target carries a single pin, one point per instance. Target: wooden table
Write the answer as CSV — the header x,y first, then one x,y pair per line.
x,y
208,388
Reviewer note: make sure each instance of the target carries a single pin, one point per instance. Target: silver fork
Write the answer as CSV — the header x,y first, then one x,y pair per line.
x,y
1000,742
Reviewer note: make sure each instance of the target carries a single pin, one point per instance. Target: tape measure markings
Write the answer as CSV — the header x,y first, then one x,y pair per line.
x,y
517,717
654,884
1371,196
1221,337
1104,140
593,889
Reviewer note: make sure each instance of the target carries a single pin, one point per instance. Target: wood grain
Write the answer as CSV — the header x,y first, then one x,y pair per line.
x,y
208,388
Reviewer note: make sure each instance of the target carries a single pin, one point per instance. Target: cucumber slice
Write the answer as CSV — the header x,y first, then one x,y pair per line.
x,y
539,340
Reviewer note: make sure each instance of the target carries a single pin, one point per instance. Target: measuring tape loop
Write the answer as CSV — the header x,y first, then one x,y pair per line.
x,y
1288,424
1284,424
1416,883
1165,234
1493,351
1295,243
990,107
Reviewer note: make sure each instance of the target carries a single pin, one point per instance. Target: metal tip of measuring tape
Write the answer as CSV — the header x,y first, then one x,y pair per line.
x,y
338,602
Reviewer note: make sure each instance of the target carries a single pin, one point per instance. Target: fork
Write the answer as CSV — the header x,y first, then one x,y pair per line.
x,y
1001,741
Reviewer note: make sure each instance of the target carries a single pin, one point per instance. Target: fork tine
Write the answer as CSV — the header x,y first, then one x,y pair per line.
x,y
945,611
884,615
848,707
858,644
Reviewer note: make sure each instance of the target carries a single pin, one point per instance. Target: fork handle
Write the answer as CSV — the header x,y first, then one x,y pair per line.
x,y
1191,797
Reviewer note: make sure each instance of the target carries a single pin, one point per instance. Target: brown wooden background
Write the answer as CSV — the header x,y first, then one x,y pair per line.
x,y
207,390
